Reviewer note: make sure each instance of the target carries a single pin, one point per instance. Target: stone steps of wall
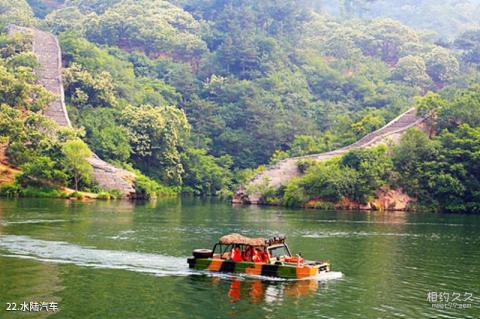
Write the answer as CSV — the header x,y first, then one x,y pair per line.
x,y
287,169
47,49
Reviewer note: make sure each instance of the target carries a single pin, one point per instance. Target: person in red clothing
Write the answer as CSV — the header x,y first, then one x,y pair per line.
x,y
247,253
236,254
257,256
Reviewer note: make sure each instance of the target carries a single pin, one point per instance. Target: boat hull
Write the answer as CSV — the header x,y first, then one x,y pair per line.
x,y
281,270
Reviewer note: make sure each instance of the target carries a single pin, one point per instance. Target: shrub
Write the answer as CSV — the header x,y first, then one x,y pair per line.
x,y
42,192
147,188
41,171
294,195
304,165
104,196
10,189
76,195
115,193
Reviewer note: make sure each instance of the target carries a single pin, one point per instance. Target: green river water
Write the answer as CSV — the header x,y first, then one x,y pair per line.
x,y
128,260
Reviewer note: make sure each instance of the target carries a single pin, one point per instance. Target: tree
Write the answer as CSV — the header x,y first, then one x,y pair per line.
x,y
156,134
86,89
409,158
386,38
430,106
106,137
41,171
453,177
76,153
367,124
469,43
373,166
442,66
157,28
462,107
205,174
15,11
411,69
69,18
330,181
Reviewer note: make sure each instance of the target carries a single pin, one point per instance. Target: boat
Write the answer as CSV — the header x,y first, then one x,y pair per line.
x,y
271,257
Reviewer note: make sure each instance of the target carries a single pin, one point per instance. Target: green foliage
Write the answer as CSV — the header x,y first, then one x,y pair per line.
x,y
104,196
76,153
41,192
453,178
154,27
42,171
65,19
367,124
463,107
442,66
254,81
40,8
294,194
411,69
87,6
445,18
107,139
373,166
271,77
305,164
469,44
156,134
357,175
264,188
205,174
443,172
330,181
304,145
76,195
18,88
415,149
10,189
15,11
147,188
85,89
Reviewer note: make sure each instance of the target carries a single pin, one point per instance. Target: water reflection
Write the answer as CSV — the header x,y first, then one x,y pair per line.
x,y
269,292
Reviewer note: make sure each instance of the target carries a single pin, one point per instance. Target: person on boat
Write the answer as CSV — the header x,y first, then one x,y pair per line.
x,y
257,256
264,256
236,254
247,254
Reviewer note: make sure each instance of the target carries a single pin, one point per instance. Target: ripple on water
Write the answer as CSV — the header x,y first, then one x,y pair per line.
x,y
33,221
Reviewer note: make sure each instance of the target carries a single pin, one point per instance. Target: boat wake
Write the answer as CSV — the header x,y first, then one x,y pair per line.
x,y
66,253
331,275
33,221
159,265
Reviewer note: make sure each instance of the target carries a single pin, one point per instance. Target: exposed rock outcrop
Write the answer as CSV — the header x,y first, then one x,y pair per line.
x,y
283,171
47,49
385,200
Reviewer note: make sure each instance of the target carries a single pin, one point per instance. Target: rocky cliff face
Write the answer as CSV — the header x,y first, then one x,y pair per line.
x,y
282,172
385,200
46,47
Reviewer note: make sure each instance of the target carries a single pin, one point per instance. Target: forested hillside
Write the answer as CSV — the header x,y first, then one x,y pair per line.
x,y
197,94
447,19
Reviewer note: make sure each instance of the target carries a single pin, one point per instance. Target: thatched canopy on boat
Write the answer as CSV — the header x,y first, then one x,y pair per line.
x,y
242,240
